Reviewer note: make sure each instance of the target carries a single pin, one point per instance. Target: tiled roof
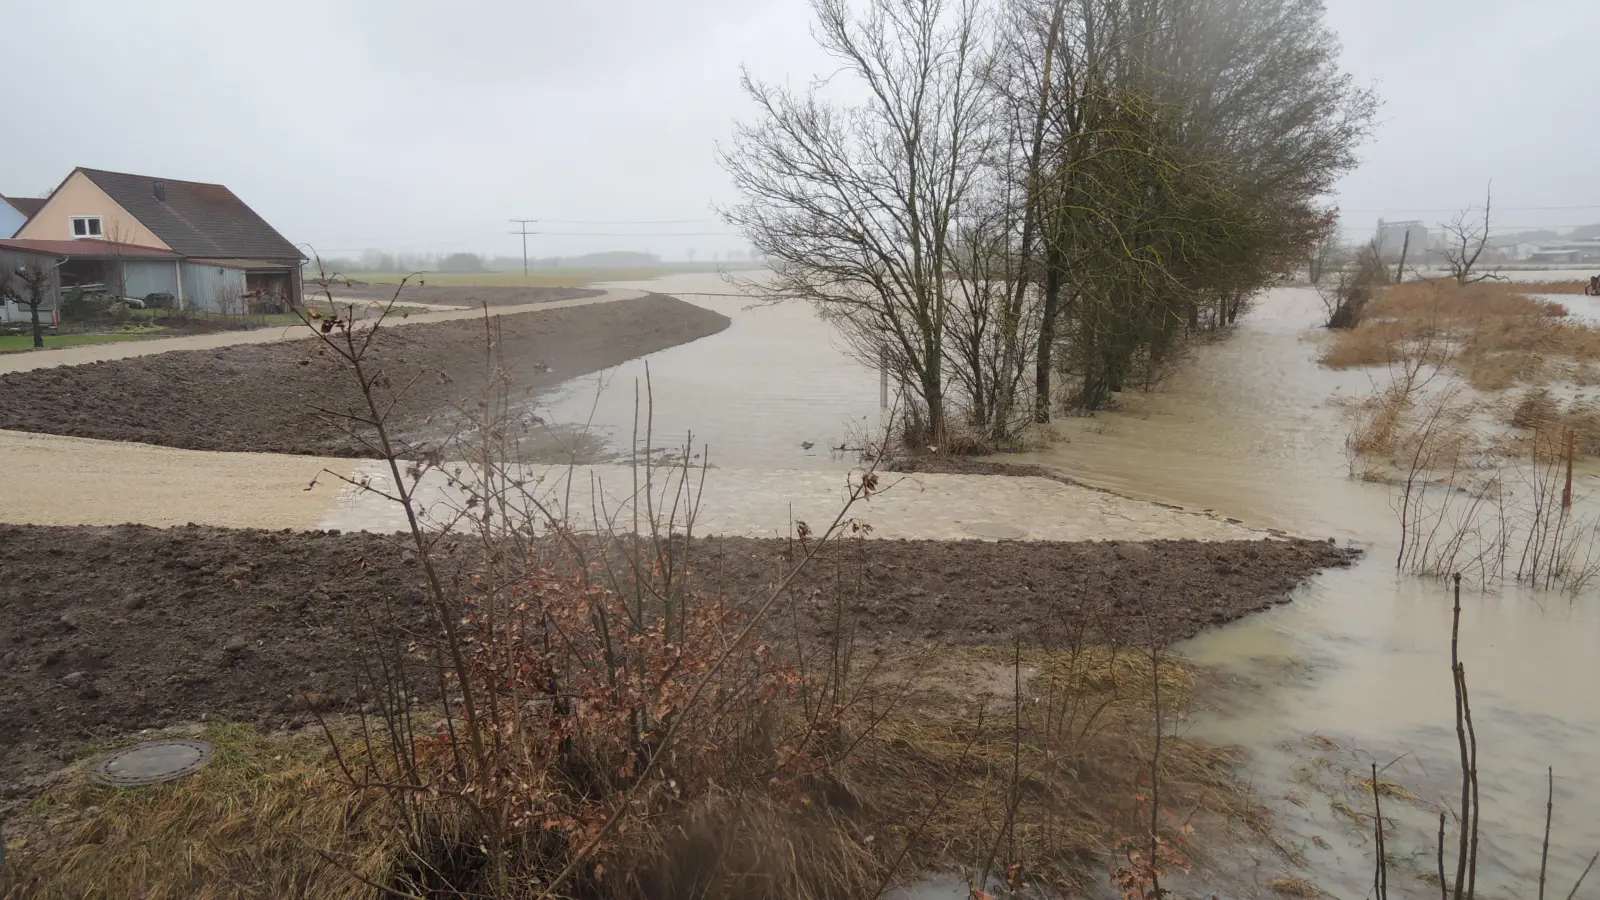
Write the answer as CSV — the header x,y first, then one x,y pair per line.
x,y
195,219
87,248
26,205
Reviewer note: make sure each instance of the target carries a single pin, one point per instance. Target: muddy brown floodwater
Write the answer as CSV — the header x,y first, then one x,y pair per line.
x,y
1358,668
1250,428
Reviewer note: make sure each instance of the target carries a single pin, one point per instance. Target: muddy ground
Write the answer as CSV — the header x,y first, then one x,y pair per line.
x,y
454,295
287,397
969,465
111,630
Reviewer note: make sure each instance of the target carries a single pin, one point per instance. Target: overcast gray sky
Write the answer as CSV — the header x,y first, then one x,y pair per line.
x,y
415,125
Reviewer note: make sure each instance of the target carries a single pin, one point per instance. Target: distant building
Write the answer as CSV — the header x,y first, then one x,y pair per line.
x,y
15,212
1566,252
1391,239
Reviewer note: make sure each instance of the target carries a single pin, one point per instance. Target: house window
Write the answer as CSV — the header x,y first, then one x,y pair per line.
x,y
86,226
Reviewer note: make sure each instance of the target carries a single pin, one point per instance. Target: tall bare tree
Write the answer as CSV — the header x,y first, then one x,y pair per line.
x,y
1465,238
1079,184
855,206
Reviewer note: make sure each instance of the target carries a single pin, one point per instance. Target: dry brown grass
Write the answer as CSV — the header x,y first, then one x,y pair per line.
x,y
248,825
1494,333
1546,421
270,817
1294,887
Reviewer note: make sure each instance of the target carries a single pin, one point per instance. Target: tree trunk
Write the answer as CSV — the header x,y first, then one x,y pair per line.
x,y
1047,337
1005,400
38,331
933,395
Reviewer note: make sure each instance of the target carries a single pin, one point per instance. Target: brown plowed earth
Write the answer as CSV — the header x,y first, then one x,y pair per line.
x,y
111,630
289,398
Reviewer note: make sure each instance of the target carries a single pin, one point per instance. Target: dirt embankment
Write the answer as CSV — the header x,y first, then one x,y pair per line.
x,y
110,630
969,465
272,397
455,295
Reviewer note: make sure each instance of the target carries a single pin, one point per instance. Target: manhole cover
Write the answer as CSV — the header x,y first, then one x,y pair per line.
x,y
995,530
153,762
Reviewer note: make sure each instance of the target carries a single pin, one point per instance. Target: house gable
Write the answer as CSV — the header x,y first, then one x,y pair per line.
x,y
11,219
77,196
196,218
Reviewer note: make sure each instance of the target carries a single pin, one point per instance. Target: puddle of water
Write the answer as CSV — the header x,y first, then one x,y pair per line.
x,y
776,389
1248,429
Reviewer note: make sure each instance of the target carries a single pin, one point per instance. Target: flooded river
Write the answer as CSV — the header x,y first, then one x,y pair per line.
x,y
775,390
1356,670
1250,428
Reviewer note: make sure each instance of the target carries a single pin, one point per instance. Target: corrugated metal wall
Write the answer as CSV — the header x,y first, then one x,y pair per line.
x,y
16,312
141,277
213,289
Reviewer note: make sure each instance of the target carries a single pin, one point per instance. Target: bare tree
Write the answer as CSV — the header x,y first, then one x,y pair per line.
x,y
1325,256
1350,286
855,207
1466,236
30,285
119,236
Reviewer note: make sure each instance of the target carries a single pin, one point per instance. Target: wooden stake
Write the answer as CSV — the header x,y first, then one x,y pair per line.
x,y
1566,493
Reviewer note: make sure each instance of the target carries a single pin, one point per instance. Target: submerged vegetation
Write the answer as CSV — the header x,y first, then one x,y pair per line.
x,y
1478,419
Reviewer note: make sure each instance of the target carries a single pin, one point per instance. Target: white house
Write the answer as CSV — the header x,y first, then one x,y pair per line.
x,y
15,212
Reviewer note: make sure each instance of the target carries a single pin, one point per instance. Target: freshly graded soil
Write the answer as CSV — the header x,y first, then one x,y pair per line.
x,y
112,630
286,397
456,295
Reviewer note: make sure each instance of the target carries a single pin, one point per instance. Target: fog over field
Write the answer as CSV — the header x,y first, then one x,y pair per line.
x,y
410,126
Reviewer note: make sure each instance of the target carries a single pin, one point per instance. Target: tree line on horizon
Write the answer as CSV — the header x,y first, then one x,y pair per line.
x,y
390,262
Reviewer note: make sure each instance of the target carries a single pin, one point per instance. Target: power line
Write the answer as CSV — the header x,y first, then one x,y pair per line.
x,y
524,223
1511,228
629,221
639,233
1427,209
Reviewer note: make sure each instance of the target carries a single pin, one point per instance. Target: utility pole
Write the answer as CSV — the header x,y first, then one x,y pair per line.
x,y
524,223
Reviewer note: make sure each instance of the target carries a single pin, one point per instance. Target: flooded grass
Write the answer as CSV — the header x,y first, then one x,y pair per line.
x,y
1495,334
